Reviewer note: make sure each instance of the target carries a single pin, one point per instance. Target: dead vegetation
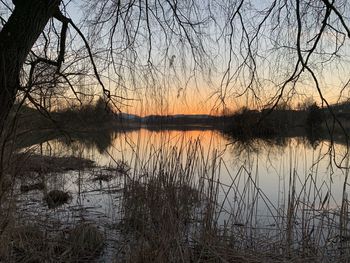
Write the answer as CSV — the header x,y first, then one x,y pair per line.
x,y
83,243
171,215
173,207
56,198
50,164
34,243
31,187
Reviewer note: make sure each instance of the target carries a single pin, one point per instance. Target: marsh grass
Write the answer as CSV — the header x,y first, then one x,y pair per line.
x,y
174,206
37,243
35,163
172,214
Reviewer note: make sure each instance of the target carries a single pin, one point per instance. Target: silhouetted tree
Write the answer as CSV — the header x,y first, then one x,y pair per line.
x,y
315,116
250,44
17,38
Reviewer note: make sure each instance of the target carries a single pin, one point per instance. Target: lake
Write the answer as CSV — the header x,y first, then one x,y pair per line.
x,y
266,192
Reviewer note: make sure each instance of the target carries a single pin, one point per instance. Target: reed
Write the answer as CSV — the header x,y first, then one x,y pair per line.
x,y
173,205
171,214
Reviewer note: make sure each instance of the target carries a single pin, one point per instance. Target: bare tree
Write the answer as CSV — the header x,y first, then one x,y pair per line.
x,y
17,38
264,51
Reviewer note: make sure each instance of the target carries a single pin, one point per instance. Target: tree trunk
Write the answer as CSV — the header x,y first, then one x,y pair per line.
x,y
17,38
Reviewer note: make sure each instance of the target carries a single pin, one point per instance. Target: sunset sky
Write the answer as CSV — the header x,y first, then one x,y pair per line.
x,y
174,84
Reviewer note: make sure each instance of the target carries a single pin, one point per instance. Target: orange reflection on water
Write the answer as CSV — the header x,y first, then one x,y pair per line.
x,y
143,141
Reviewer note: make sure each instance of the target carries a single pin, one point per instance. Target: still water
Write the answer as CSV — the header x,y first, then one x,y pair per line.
x,y
269,163
256,180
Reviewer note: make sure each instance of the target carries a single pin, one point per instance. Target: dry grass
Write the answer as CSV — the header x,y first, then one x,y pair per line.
x,y
171,215
83,243
33,163
175,208
32,187
34,243
27,239
25,244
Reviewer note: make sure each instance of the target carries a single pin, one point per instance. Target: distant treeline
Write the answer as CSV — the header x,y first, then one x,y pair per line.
x,y
96,124
254,122
247,122
243,121
182,120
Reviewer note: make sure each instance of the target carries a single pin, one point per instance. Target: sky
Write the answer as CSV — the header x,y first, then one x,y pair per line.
x,y
184,79
204,65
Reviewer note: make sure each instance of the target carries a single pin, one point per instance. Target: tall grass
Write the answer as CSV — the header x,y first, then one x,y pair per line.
x,y
176,208
172,205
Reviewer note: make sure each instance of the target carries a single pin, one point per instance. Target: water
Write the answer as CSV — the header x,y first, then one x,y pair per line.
x,y
257,181
269,163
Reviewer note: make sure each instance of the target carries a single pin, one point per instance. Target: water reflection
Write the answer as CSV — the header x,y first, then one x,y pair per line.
x,y
270,161
287,190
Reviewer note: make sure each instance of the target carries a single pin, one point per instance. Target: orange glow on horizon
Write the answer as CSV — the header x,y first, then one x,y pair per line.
x,y
200,97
